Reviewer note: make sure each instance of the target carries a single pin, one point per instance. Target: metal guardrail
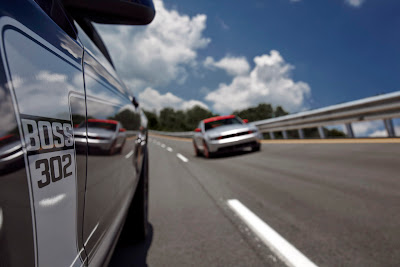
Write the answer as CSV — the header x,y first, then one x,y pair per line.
x,y
382,107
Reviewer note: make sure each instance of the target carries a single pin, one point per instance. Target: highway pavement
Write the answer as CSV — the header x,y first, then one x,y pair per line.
x,y
335,204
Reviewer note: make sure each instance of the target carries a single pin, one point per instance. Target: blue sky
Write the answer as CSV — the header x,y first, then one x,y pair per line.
x,y
342,51
230,54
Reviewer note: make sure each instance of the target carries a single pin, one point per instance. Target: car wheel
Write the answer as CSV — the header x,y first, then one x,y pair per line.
x,y
111,151
206,152
122,146
257,147
136,223
196,150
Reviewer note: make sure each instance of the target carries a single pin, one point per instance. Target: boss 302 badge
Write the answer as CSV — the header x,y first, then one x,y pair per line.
x,y
49,145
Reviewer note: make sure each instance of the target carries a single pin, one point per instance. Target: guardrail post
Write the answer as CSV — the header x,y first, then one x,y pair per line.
x,y
321,132
271,135
301,133
349,130
285,136
389,127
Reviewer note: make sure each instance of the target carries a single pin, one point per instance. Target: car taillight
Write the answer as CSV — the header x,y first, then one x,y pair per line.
x,y
219,138
250,132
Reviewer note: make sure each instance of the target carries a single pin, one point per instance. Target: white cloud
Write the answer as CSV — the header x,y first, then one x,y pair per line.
x,y
383,133
366,128
379,133
223,24
6,112
232,65
158,53
369,128
151,99
269,81
52,77
355,3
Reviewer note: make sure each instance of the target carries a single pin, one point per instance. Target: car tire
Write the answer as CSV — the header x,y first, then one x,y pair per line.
x,y
257,147
207,154
122,147
112,151
136,224
196,150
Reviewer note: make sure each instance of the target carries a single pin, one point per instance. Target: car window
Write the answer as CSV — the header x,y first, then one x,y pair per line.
x,y
215,124
111,126
91,48
57,13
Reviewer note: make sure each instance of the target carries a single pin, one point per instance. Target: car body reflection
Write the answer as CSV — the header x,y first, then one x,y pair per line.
x,y
103,136
11,154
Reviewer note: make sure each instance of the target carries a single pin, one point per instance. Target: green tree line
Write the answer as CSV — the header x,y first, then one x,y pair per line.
x,y
172,120
187,120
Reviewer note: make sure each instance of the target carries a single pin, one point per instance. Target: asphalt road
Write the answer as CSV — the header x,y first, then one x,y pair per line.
x,y
338,204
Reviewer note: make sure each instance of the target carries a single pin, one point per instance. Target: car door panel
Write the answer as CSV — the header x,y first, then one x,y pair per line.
x,y
109,188
65,186
42,78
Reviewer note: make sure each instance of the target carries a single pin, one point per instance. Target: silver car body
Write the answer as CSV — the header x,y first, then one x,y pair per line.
x,y
100,138
227,137
60,206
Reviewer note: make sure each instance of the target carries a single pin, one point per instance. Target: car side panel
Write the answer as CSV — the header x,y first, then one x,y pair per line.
x,y
42,189
113,172
199,137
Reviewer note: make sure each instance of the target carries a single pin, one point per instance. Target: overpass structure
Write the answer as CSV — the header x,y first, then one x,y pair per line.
x,y
383,107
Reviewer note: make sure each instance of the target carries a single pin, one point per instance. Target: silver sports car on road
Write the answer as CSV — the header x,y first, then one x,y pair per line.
x,y
224,134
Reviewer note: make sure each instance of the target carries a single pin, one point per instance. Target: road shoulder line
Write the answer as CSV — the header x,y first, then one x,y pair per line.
x,y
181,157
334,141
283,249
127,156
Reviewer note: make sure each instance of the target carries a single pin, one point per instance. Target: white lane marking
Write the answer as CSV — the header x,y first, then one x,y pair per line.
x,y
84,262
90,236
181,157
170,149
76,258
129,154
284,250
87,240
163,146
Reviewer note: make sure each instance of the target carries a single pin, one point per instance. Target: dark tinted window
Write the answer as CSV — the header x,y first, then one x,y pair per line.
x,y
58,14
102,125
215,124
